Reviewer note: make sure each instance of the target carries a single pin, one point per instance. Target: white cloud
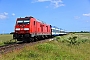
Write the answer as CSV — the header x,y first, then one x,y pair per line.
x,y
87,21
3,15
13,14
88,14
55,3
76,17
41,0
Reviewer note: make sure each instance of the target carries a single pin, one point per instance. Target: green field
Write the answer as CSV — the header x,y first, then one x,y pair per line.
x,y
5,38
68,47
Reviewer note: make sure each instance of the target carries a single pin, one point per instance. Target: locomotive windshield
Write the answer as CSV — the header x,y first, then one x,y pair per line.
x,y
23,21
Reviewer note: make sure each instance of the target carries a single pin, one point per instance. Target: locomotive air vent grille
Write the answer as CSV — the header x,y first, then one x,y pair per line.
x,y
28,17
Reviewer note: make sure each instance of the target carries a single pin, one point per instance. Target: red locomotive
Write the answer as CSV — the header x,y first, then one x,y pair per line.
x,y
29,28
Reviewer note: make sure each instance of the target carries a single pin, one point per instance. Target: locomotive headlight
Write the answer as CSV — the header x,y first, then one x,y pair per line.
x,y
26,28
17,29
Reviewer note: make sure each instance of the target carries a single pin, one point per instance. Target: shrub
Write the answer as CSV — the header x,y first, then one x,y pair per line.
x,y
72,40
58,37
84,40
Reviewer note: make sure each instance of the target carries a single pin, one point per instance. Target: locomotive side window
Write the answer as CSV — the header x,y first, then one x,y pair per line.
x,y
34,22
47,28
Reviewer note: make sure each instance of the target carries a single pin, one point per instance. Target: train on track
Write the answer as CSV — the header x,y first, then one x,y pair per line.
x,y
31,29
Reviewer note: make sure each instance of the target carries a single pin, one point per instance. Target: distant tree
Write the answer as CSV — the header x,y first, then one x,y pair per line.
x,y
82,31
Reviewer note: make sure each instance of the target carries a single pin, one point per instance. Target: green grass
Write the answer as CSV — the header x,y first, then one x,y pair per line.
x,y
58,49
5,39
85,34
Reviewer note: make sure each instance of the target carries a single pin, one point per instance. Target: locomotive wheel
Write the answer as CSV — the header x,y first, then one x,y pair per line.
x,y
26,40
32,39
35,39
19,39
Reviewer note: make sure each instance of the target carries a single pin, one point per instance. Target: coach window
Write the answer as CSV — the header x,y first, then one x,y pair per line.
x,y
34,22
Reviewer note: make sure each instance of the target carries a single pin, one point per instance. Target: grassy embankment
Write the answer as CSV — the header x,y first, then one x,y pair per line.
x,y
68,47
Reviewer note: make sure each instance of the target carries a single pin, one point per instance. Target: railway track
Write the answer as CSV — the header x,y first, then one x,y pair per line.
x,y
12,47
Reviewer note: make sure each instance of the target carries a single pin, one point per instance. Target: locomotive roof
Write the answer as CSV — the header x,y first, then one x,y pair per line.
x,y
41,21
27,17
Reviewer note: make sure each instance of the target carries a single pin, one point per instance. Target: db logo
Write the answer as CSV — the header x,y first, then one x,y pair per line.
x,y
21,28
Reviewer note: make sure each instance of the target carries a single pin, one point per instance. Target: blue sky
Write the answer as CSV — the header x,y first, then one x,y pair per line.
x,y
71,15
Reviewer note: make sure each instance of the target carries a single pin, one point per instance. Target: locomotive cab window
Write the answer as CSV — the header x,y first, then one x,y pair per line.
x,y
26,21
23,21
19,21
